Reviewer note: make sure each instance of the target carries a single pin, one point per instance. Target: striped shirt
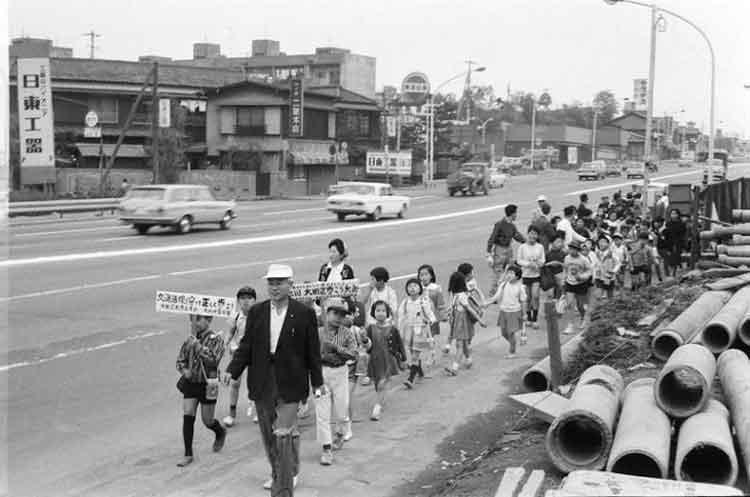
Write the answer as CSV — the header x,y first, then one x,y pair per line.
x,y
337,346
208,349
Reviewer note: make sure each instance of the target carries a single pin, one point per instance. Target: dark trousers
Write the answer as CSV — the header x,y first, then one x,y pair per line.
x,y
278,428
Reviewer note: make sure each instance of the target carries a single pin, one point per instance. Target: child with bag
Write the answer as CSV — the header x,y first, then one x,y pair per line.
x,y
386,351
198,364
415,316
246,297
511,295
462,318
426,275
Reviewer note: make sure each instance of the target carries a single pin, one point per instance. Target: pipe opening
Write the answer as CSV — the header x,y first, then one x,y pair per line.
x,y
535,381
681,390
580,440
706,464
637,465
745,331
664,345
716,337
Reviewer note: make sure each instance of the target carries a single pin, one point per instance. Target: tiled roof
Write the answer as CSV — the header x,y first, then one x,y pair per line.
x,y
344,95
121,71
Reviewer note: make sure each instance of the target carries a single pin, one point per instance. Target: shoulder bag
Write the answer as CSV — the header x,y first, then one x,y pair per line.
x,y
212,384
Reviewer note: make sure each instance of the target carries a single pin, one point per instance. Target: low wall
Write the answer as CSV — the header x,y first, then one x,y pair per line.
x,y
225,184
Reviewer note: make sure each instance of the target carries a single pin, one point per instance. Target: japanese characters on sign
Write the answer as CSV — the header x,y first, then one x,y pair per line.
x,y
35,119
324,289
296,110
192,303
400,163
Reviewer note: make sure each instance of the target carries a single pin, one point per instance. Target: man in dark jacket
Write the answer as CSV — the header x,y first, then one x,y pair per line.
x,y
499,249
281,350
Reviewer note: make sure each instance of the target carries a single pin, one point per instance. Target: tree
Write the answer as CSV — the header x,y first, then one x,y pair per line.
x,y
606,101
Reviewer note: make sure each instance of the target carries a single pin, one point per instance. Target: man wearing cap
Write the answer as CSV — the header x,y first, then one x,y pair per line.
x,y
541,201
281,350
543,225
499,250
337,346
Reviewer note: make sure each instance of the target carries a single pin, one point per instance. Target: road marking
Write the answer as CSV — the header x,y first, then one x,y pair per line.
x,y
241,241
292,211
85,286
246,264
102,240
61,232
423,196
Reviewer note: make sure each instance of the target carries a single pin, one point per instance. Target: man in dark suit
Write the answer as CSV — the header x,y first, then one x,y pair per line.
x,y
281,348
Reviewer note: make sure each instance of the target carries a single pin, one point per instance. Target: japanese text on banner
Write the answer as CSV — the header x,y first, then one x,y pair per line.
x,y
192,303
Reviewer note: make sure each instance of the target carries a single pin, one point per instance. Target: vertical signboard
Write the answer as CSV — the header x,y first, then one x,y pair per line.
x,y
35,121
296,109
572,155
640,93
165,113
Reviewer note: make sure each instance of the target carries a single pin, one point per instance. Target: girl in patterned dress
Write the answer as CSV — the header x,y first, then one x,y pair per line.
x,y
415,317
462,319
426,275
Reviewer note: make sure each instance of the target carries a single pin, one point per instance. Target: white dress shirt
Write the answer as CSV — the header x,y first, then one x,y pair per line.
x,y
278,315
335,275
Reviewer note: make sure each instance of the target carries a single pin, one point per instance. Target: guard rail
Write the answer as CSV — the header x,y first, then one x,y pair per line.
x,y
61,207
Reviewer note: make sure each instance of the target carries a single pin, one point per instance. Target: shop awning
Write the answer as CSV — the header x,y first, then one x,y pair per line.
x,y
309,158
125,150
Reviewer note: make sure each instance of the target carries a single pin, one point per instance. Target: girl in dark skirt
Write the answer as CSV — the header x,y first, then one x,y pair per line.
x,y
386,353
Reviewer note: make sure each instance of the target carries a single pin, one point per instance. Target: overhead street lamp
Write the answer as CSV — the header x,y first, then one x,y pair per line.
x,y
657,22
483,127
431,120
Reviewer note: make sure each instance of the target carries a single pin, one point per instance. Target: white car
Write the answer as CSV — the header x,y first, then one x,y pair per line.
x,y
177,206
497,179
371,199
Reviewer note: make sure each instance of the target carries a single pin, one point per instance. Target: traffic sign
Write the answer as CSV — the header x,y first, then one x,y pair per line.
x,y
92,119
92,132
414,88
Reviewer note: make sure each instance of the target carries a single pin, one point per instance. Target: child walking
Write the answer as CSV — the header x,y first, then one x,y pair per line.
x,y
511,295
426,275
608,268
462,319
531,258
578,273
386,352
416,319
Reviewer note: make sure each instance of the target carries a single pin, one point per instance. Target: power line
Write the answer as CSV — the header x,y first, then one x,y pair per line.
x,y
92,36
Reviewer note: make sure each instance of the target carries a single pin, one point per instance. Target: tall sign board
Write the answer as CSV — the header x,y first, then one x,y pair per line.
x,y
36,121
296,109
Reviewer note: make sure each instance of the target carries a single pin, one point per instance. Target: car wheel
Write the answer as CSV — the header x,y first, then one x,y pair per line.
x,y
142,229
486,192
226,220
185,225
451,192
341,217
402,212
375,214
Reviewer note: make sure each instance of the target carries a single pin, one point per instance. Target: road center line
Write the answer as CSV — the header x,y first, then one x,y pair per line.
x,y
242,241
293,211
85,286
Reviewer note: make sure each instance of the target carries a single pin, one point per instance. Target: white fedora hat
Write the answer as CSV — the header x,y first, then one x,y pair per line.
x,y
279,271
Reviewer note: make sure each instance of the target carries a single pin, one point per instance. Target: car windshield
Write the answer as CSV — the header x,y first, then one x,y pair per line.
x,y
356,189
587,165
146,193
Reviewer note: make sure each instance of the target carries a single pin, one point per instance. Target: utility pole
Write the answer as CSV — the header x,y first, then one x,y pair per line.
x,y
92,36
593,134
650,102
155,123
466,99
533,129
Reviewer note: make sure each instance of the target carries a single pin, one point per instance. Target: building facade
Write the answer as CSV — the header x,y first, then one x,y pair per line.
x,y
570,144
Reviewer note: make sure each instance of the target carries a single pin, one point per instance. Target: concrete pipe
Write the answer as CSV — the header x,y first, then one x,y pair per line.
x,y
642,439
705,449
736,250
742,215
729,231
721,249
581,436
721,330
537,377
685,326
683,386
734,261
734,370
739,240
743,329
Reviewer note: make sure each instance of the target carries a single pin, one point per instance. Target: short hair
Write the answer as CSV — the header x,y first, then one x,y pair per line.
x,y
340,247
546,208
380,274
457,283
584,197
569,210
516,270
247,291
511,209
559,234
429,269
534,229
555,219
414,281
388,310
465,268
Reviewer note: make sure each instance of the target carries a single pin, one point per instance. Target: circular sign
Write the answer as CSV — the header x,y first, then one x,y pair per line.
x,y
415,87
545,99
538,141
92,119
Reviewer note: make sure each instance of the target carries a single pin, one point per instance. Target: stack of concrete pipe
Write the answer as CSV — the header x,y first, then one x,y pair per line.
x,y
720,232
683,387
722,329
741,215
581,436
688,324
537,377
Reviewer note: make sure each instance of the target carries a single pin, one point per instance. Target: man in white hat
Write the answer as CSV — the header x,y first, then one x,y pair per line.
x,y
281,350
541,201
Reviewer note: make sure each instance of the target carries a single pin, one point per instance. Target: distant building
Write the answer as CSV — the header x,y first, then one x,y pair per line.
x,y
154,58
328,66
206,50
37,47
611,143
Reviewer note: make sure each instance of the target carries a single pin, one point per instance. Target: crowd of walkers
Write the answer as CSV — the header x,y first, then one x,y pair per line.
x,y
320,352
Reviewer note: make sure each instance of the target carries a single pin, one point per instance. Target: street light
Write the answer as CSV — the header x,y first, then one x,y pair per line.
x,y
656,24
431,119
483,127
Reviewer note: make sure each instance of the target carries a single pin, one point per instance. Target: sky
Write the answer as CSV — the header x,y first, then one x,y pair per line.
x,y
571,48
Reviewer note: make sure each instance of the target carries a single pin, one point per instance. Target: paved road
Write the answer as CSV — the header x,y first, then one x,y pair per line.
x,y
92,408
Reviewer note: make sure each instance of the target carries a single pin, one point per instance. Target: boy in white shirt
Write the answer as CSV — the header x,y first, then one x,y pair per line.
x,y
531,259
511,295
620,251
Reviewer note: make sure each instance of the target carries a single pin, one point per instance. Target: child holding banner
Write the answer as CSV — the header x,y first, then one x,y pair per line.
x,y
246,297
198,363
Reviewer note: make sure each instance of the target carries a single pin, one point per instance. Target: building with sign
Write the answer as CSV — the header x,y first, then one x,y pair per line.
x,y
250,125
327,66
611,143
663,139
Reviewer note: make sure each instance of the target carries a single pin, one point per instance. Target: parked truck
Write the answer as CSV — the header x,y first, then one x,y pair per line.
x,y
470,178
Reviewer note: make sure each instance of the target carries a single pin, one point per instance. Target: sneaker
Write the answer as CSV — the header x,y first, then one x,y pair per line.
x,y
568,329
185,461
409,384
468,363
338,441
523,340
348,435
228,421
375,416
451,371
269,483
220,439
366,381
447,349
511,356
535,325
255,418
326,458
250,412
